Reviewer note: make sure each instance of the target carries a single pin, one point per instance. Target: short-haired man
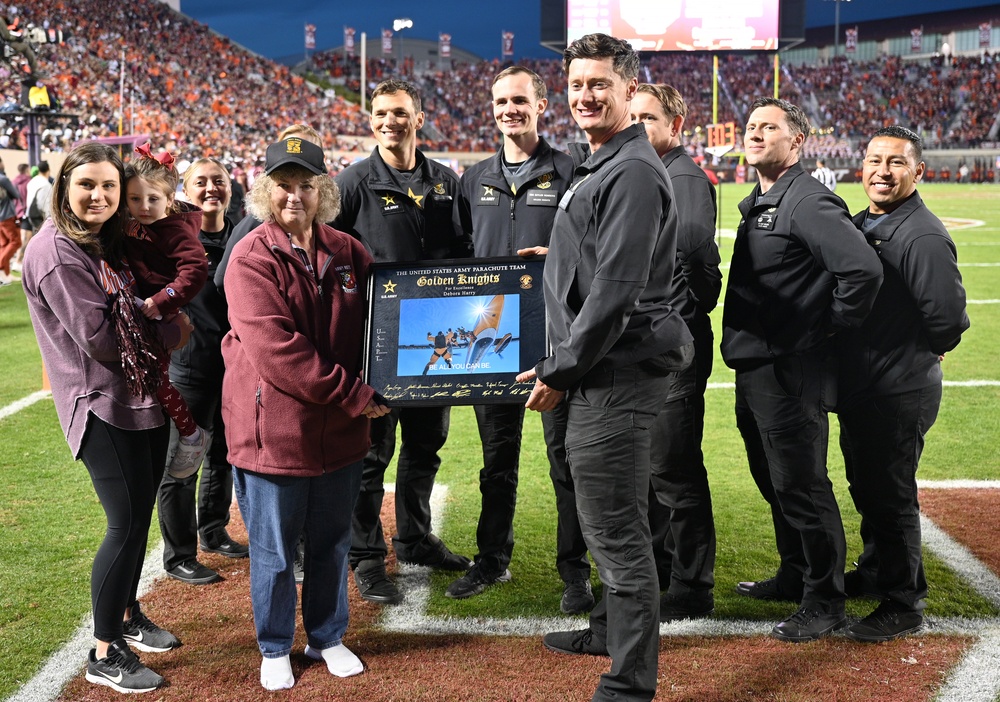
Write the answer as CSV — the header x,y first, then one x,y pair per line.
x,y
680,508
614,341
400,205
891,380
508,203
800,273
825,176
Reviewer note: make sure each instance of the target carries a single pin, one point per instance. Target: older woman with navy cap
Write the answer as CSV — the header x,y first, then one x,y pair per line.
x,y
295,408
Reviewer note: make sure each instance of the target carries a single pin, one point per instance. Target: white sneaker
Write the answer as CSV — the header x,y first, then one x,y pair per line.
x,y
15,265
188,458
340,661
276,673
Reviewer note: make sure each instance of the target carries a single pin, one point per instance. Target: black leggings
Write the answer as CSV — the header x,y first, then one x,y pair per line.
x,y
126,468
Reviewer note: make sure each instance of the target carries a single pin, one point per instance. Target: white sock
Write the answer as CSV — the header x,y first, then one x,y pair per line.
x,y
193,439
276,673
340,661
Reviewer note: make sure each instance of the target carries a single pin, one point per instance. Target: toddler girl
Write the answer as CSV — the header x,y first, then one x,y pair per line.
x,y
169,264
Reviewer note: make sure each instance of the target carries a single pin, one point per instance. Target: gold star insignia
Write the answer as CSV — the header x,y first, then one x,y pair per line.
x,y
416,198
388,200
390,287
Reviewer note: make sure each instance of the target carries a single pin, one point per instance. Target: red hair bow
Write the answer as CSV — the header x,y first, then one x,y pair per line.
x,y
164,158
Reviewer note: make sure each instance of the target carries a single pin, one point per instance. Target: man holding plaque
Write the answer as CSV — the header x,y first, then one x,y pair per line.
x,y
400,205
507,203
614,340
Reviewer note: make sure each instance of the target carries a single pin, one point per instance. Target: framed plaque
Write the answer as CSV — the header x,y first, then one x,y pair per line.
x,y
454,332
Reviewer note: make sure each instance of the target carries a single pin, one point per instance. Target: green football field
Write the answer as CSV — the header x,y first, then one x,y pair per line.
x,y
51,522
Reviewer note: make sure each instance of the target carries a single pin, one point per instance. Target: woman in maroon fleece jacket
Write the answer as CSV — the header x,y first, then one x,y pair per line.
x,y
295,408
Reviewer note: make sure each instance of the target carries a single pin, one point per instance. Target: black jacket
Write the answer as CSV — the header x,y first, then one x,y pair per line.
x,y
501,221
919,313
200,360
611,260
800,272
397,221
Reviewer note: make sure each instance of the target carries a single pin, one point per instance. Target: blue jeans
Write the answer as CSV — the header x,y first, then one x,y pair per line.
x,y
276,510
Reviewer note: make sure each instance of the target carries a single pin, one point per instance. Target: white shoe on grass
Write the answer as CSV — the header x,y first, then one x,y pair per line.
x,y
339,660
276,673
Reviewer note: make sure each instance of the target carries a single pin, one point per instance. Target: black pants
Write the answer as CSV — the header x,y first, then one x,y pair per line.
x,y
500,432
180,523
680,503
882,439
610,414
125,468
781,412
424,431
571,550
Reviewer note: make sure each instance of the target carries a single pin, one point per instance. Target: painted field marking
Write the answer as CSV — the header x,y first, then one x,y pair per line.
x,y
24,402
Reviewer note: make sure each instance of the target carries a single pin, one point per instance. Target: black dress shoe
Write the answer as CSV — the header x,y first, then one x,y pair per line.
x,y
889,621
808,625
374,585
767,590
437,555
193,573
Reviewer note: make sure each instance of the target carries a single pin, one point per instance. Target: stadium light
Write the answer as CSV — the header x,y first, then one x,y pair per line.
x,y
398,25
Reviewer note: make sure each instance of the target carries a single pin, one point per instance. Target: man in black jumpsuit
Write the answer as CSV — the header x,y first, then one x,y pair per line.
x,y
800,273
507,203
401,206
680,506
615,338
890,387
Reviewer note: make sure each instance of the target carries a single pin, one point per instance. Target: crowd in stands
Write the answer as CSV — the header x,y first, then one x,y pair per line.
x,y
200,94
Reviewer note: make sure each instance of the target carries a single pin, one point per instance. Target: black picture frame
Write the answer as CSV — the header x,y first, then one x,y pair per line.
x,y
454,332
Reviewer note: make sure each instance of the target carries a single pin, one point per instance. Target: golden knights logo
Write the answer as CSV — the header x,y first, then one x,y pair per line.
x,y
526,282
545,181
293,146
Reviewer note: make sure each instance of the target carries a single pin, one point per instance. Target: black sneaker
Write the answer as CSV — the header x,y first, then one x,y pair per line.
x,y
439,556
121,670
808,625
767,590
221,543
577,597
474,582
193,573
889,621
374,585
582,642
145,635
675,608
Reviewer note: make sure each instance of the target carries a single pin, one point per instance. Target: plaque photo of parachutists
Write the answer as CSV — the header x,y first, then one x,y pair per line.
x,y
454,332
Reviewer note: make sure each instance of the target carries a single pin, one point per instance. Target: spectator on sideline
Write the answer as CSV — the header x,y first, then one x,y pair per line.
x,y
400,205
507,202
196,372
39,200
10,233
295,408
614,340
75,269
680,504
890,381
825,176
800,273
20,182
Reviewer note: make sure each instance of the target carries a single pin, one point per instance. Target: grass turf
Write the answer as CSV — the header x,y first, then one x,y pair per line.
x,y
51,523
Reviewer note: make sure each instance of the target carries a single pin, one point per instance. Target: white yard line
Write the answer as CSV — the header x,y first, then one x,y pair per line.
x,y
15,407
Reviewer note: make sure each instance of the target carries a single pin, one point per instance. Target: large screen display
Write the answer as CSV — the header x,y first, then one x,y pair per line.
x,y
678,25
